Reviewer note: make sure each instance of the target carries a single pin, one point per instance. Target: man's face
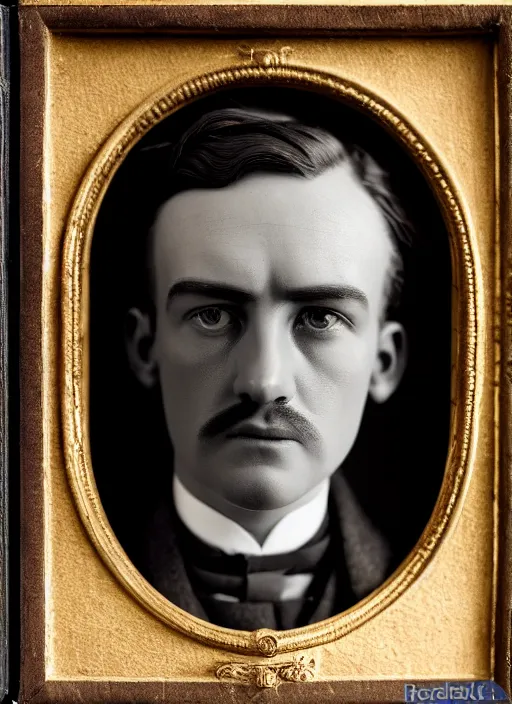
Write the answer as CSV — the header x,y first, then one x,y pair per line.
x,y
269,298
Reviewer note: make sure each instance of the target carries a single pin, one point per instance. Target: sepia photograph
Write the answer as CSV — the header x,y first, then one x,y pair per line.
x,y
270,357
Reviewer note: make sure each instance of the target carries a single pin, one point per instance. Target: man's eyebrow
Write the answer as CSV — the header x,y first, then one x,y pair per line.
x,y
321,293
209,290
237,295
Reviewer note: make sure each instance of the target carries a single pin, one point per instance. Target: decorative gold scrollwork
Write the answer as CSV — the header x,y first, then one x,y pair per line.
x,y
266,642
269,675
270,58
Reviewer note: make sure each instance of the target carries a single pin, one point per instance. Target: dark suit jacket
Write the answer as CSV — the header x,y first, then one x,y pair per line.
x,y
365,556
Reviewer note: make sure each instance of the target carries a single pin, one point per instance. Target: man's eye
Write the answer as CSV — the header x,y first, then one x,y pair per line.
x,y
319,319
213,319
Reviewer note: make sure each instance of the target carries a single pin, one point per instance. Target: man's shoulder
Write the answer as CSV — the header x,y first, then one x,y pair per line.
x,y
367,552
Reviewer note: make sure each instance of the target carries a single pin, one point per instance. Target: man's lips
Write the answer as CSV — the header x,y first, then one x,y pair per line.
x,y
258,432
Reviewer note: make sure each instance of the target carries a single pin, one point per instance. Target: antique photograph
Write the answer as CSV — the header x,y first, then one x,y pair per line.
x,y
270,324
265,365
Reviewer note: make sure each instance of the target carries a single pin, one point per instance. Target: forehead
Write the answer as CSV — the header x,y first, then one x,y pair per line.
x,y
275,230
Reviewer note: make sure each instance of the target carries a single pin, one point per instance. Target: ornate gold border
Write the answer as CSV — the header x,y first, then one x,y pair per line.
x,y
75,349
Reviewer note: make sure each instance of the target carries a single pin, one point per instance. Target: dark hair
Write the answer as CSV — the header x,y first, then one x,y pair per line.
x,y
225,145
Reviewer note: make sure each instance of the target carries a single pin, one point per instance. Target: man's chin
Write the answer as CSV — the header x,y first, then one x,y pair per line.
x,y
266,488
256,477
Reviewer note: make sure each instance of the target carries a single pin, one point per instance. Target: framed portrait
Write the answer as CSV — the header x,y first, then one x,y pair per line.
x,y
265,351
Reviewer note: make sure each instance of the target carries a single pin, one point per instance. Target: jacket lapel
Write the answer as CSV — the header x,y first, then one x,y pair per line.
x,y
165,566
367,553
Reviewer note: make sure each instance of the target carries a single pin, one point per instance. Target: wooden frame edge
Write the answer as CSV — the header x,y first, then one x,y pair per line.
x,y
31,445
127,692
284,20
4,348
503,643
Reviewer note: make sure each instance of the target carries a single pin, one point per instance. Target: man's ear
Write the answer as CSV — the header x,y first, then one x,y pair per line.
x,y
139,339
390,361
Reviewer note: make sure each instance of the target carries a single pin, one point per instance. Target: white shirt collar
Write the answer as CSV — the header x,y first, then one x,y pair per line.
x,y
292,532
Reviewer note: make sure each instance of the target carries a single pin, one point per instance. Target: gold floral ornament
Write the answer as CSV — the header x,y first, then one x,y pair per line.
x,y
266,57
266,642
269,676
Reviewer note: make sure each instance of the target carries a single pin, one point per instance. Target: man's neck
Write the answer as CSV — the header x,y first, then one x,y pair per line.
x,y
276,530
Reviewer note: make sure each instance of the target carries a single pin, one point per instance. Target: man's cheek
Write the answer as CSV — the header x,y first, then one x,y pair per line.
x,y
338,394
204,365
336,377
187,396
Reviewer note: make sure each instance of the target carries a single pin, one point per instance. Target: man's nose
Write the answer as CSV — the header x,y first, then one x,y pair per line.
x,y
264,370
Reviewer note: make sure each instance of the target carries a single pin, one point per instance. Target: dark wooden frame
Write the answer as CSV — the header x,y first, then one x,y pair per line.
x,y
4,433
224,20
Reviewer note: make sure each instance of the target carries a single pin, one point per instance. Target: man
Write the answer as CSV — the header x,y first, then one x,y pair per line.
x,y
274,266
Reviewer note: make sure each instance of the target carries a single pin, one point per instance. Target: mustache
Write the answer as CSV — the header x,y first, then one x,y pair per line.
x,y
277,414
